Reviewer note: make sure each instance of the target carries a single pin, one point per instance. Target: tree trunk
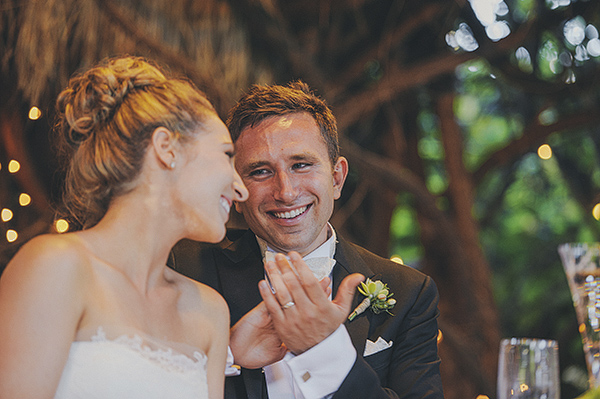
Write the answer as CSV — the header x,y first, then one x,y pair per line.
x,y
471,319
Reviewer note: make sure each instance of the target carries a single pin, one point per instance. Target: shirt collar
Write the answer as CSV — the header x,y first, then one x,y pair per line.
x,y
327,249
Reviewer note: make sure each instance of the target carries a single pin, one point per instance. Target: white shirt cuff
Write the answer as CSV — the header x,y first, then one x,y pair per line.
x,y
230,368
320,371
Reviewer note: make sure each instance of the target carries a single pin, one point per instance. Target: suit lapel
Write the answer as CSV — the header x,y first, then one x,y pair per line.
x,y
240,269
348,261
239,272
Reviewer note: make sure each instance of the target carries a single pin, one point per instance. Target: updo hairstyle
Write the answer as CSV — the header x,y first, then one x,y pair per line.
x,y
106,117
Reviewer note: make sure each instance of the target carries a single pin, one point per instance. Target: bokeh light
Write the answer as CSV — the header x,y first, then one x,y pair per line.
x,y
462,38
61,225
487,12
14,166
593,47
581,53
35,113
548,116
6,215
554,4
11,235
498,30
574,31
24,199
524,60
465,39
596,211
397,259
544,151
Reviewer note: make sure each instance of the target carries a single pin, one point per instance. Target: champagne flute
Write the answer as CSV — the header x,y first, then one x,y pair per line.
x,y
581,262
528,369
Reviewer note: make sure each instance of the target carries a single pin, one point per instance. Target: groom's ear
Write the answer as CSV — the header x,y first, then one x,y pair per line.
x,y
340,172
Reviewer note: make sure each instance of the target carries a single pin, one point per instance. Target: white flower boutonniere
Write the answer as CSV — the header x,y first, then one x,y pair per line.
x,y
378,298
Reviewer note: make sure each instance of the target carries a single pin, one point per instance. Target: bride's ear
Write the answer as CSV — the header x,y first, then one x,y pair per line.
x,y
163,146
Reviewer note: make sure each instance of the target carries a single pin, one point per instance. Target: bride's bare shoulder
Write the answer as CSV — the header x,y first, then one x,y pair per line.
x,y
52,254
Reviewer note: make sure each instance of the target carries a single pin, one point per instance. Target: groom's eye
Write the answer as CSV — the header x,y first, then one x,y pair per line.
x,y
300,165
258,172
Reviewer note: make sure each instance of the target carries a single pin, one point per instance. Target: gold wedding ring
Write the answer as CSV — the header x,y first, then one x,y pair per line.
x,y
288,305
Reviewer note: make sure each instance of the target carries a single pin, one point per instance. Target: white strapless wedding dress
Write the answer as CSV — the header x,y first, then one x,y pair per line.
x,y
132,366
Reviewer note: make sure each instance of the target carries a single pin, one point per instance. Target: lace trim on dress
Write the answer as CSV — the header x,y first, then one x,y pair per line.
x,y
167,358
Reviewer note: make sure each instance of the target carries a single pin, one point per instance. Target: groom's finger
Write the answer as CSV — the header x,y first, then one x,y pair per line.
x,y
324,284
281,292
289,275
311,286
346,291
272,304
296,265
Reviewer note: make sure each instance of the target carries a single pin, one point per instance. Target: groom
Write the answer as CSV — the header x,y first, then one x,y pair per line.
x,y
287,154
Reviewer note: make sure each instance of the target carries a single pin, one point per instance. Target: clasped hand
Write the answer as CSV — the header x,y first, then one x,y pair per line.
x,y
296,316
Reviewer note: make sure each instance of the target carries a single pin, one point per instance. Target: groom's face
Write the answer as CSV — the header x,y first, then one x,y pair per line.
x,y
292,184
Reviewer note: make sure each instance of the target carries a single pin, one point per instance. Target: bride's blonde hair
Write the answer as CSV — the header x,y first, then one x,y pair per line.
x,y
106,117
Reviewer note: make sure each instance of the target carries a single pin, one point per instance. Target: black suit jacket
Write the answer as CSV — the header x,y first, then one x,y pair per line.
x,y
409,369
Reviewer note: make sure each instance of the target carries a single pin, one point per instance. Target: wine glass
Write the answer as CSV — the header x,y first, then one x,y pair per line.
x,y
528,369
581,262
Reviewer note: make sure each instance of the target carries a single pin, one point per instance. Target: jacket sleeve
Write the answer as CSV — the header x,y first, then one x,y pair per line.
x,y
411,367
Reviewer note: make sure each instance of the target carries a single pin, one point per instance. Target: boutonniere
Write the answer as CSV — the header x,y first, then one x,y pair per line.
x,y
378,298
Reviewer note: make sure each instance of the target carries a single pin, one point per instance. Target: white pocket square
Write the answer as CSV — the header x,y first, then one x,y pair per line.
x,y
377,346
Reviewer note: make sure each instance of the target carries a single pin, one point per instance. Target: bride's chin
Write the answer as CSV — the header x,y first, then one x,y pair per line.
x,y
211,237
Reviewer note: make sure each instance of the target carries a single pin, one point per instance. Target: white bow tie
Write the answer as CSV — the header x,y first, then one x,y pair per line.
x,y
321,266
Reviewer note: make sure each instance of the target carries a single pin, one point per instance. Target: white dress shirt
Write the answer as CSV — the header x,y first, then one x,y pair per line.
x,y
318,372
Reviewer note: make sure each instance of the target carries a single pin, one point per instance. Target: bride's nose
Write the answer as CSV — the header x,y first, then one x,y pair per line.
x,y
239,189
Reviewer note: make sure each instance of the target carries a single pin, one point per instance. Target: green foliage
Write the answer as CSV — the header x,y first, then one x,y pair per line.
x,y
432,152
520,239
548,62
525,209
523,9
404,228
487,126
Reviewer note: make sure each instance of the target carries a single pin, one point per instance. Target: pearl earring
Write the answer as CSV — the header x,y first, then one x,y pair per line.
x,y
172,165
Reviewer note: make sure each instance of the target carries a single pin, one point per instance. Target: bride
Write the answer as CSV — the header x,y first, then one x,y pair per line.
x,y
95,313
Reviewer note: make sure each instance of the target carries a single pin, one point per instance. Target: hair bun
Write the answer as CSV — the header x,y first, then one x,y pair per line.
x,y
93,97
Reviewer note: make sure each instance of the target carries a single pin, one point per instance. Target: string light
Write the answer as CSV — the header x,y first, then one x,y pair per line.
x,y
14,166
11,235
397,259
24,199
35,113
61,225
596,211
544,151
6,214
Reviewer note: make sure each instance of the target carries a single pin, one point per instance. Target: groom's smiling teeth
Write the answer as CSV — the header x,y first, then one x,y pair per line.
x,y
225,204
290,214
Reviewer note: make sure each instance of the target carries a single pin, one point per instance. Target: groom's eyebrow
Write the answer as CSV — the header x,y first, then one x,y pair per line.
x,y
304,156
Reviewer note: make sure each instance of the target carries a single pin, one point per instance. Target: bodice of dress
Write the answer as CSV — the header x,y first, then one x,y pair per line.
x,y
132,366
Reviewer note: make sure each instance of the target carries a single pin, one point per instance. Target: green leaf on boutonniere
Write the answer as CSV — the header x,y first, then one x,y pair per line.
x,y
593,393
378,298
